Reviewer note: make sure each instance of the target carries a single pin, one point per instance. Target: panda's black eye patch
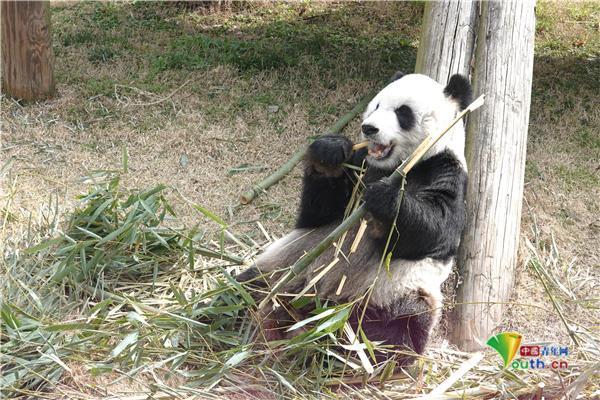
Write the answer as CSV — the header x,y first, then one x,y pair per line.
x,y
406,117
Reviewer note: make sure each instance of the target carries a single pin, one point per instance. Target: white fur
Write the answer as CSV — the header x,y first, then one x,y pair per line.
x,y
270,259
433,112
405,277
408,276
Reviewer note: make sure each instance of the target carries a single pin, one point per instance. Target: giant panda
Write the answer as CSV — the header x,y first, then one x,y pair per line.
x,y
406,298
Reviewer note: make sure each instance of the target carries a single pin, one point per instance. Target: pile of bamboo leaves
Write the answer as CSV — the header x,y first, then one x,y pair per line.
x,y
120,289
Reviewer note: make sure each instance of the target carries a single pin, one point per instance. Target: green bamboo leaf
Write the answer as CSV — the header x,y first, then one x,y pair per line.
x,y
388,260
37,248
125,159
32,294
69,326
239,288
368,344
9,317
99,210
89,233
152,191
388,371
159,238
211,215
64,267
127,341
283,381
237,358
314,318
334,323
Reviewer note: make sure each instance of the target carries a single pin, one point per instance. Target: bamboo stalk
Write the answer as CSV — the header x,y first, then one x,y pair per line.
x,y
285,169
397,176
272,179
360,145
456,375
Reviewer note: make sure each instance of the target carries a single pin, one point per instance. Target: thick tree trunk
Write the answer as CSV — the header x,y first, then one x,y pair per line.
x,y
27,58
494,41
447,39
495,151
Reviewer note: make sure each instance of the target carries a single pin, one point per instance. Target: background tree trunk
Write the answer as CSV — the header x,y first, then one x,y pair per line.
x,y
447,39
27,57
495,152
494,40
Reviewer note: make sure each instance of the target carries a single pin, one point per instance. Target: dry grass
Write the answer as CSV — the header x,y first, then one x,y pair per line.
x,y
233,113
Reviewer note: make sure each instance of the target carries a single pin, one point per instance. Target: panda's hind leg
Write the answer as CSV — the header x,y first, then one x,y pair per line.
x,y
405,325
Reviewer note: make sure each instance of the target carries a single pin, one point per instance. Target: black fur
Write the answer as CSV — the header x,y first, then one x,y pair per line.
x,y
397,75
432,214
460,90
406,117
327,186
330,150
405,326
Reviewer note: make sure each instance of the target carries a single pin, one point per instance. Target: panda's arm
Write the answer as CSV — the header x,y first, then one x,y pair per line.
x,y
327,184
432,212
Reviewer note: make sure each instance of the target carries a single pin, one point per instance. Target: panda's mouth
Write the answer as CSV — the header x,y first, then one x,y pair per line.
x,y
379,151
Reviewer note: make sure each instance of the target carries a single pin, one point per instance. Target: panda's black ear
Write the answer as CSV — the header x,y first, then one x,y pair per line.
x,y
459,89
397,75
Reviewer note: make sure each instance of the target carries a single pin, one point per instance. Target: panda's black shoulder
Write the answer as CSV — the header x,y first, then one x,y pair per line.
x,y
442,171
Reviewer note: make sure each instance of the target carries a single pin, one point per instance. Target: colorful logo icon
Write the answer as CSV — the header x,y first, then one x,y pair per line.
x,y
507,344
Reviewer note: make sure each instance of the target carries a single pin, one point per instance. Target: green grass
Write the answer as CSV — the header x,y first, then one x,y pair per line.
x,y
577,177
283,45
250,42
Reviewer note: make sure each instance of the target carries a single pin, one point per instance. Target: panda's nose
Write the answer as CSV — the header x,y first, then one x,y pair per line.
x,y
369,130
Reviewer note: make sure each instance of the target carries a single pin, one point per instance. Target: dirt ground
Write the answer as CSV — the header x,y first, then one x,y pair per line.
x,y
189,126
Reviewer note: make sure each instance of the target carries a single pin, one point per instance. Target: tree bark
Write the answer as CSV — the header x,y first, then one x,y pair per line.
x,y
495,152
494,41
27,57
447,39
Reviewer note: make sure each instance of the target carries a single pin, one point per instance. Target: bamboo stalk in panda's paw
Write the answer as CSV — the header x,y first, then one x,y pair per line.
x,y
360,145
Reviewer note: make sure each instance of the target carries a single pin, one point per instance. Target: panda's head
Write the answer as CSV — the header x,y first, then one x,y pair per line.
x,y
406,111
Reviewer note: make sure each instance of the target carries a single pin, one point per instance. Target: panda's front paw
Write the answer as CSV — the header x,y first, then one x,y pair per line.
x,y
330,150
381,198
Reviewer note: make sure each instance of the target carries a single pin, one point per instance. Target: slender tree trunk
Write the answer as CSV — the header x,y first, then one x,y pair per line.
x,y
495,152
27,57
494,41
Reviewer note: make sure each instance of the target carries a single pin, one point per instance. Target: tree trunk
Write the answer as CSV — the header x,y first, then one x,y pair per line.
x,y
495,152
447,39
495,39
27,58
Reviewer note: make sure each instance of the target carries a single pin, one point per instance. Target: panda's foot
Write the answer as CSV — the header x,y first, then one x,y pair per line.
x,y
274,323
403,328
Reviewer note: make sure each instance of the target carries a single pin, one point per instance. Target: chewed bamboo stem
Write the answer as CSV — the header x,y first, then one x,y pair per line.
x,y
360,145
398,175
